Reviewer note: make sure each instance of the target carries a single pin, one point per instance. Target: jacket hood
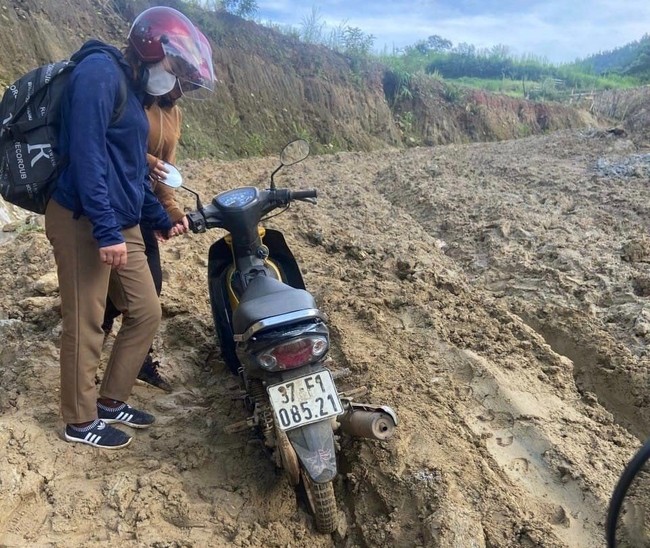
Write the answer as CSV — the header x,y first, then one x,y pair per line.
x,y
97,46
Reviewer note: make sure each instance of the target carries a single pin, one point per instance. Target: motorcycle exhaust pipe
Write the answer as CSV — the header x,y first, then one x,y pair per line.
x,y
377,425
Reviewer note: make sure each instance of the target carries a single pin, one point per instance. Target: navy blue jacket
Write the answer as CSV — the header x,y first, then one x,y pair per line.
x,y
106,175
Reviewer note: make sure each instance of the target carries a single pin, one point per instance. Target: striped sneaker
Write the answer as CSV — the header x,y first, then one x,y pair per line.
x,y
125,414
97,434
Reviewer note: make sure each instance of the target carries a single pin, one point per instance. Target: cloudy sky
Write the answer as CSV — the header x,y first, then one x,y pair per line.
x,y
560,30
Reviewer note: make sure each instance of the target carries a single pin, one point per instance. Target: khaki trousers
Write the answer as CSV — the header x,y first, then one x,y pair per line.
x,y
84,282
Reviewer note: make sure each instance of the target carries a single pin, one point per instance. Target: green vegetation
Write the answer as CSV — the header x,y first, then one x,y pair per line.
x,y
633,59
496,70
343,38
254,145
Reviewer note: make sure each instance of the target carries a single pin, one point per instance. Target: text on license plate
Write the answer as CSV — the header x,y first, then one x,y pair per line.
x,y
305,400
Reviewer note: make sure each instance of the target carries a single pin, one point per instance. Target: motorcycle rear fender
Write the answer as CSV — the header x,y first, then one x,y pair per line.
x,y
314,445
220,258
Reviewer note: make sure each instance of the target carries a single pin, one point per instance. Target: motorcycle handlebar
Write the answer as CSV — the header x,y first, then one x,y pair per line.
x,y
302,194
210,217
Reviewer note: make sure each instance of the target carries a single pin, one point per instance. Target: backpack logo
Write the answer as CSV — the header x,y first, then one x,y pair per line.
x,y
20,162
41,154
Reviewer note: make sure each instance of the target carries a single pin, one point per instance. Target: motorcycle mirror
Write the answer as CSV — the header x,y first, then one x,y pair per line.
x,y
173,179
199,205
296,151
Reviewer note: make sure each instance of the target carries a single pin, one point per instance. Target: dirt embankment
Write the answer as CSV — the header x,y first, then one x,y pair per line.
x,y
272,87
485,291
630,107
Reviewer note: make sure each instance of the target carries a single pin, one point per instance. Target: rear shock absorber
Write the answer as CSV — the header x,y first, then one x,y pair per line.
x,y
262,411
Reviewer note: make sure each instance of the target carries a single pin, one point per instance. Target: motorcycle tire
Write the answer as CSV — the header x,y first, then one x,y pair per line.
x,y
222,317
322,501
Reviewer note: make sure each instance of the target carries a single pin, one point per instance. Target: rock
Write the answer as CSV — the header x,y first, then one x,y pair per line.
x,y
11,227
636,250
47,284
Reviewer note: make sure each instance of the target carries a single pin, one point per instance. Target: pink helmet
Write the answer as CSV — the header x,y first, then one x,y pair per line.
x,y
165,34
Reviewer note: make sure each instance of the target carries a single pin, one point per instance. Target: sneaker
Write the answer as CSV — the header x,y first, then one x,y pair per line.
x,y
98,434
149,374
125,414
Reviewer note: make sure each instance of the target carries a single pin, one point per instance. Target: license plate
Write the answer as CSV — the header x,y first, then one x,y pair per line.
x,y
305,400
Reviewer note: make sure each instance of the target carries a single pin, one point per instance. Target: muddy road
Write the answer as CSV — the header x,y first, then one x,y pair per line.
x,y
495,295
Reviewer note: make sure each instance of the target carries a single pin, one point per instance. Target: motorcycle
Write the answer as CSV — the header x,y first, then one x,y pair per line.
x,y
274,337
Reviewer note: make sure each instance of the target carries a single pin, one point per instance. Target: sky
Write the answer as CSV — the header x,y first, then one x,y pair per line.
x,y
558,30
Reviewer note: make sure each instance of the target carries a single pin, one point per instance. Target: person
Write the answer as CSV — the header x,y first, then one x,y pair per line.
x,y
93,219
165,120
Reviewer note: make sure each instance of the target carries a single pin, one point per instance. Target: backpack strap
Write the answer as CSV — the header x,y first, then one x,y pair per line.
x,y
122,96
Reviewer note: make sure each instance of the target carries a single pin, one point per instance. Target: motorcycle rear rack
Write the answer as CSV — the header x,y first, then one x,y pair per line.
x,y
277,321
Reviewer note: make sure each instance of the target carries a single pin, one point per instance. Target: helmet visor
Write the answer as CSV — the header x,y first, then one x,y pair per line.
x,y
187,58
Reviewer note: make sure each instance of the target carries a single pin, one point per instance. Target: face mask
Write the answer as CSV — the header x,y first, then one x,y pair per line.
x,y
160,81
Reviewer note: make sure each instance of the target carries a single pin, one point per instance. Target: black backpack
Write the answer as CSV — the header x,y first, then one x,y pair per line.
x,y
30,162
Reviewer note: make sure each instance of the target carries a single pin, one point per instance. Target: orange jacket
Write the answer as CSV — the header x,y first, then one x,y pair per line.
x,y
164,133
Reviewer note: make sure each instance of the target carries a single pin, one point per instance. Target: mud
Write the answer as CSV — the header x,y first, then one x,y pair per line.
x,y
495,295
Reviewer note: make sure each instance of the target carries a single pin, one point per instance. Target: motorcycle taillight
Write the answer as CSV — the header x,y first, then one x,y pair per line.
x,y
293,353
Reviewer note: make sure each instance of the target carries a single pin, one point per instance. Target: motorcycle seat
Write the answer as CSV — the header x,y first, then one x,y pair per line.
x,y
266,297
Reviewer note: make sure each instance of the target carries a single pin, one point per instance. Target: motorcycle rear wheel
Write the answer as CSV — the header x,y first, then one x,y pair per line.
x,y
322,501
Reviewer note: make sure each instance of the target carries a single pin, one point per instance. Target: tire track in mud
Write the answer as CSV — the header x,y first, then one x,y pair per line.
x,y
614,379
547,194
513,423
530,448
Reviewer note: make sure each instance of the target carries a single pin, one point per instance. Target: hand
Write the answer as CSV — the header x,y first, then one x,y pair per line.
x,y
113,255
181,226
162,236
159,171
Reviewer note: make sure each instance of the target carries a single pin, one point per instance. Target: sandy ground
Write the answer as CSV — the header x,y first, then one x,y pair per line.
x,y
494,294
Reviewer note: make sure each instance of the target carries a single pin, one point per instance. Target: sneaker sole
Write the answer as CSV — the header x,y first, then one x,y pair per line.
x,y
140,382
77,440
125,423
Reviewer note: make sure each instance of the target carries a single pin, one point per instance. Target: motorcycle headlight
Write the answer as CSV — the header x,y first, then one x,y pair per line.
x,y
293,353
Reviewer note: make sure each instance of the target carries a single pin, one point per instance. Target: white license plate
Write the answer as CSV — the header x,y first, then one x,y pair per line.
x,y
305,400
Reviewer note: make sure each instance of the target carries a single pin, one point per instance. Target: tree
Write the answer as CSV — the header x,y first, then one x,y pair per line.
x,y
500,51
243,8
434,43
438,43
356,41
640,67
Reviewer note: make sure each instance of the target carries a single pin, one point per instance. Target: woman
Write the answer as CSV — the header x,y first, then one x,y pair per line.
x,y
165,120
94,217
